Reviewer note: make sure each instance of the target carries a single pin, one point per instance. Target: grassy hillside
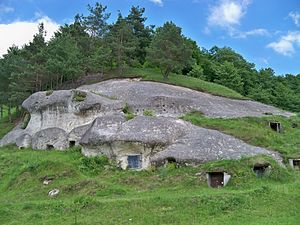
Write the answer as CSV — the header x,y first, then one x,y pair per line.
x,y
91,194
256,131
94,192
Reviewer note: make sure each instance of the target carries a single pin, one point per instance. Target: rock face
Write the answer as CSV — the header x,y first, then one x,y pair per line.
x,y
169,100
155,140
64,109
93,118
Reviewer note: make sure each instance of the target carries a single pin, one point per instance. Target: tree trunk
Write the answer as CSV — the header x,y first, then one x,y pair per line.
x,y
1,111
9,113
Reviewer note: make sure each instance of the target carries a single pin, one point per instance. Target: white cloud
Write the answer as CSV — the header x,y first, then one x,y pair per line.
x,y
6,9
157,2
295,17
21,32
227,13
254,32
286,44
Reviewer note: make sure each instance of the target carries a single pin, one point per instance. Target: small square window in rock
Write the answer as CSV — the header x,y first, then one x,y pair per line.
x,y
134,161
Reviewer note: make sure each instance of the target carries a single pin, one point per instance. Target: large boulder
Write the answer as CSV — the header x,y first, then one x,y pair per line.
x,y
50,138
170,100
77,133
24,141
157,139
92,116
201,145
67,109
12,136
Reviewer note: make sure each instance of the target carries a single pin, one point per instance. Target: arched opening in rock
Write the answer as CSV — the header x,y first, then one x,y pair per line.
x,y
170,160
134,162
260,169
49,147
72,144
276,126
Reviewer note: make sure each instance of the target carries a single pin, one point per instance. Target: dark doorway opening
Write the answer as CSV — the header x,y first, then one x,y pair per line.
x,y
216,179
296,164
72,144
134,161
171,160
50,147
260,170
276,126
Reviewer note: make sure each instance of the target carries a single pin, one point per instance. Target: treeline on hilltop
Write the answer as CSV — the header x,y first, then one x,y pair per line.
x,y
92,45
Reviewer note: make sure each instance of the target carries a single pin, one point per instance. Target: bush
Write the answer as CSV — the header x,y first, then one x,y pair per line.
x,y
197,72
49,92
128,112
79,96
149,112
93,165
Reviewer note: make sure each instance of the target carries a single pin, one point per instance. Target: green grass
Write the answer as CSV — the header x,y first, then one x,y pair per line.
x,y
256,131
5,125
148,74
79,96
163,196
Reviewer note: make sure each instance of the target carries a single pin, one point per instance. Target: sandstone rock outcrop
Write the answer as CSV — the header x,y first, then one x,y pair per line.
x,y
92,117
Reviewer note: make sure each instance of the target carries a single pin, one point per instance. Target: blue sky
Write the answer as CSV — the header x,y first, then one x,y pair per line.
x,y
265,32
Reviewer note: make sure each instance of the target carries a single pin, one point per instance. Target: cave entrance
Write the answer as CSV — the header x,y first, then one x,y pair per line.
x,y
134,161
49,147
276,126
171,160
295,163
260,169
217,179
72,144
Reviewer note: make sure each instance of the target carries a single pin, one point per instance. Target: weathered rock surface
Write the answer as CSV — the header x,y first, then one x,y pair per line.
x,y
93,117
157,139
24,141
50,138
62,110
12,136
169,100
202,145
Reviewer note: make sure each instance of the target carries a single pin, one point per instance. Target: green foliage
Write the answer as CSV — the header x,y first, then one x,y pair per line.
x,y
93,165
128,112
49,92
123,43
79,96
229,76
169,50
197,72
148,112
